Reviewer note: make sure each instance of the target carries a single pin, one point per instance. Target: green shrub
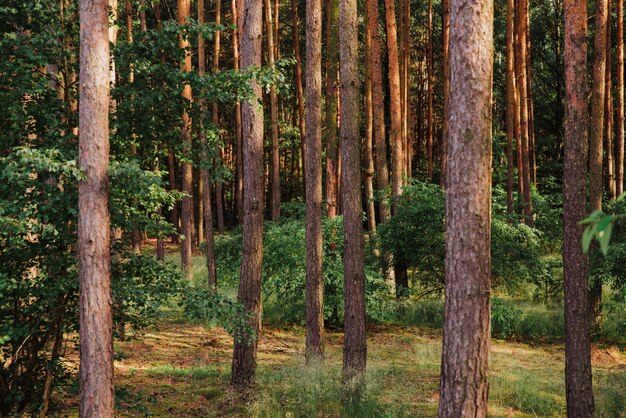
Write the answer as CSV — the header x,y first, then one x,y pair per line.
x,y
506,318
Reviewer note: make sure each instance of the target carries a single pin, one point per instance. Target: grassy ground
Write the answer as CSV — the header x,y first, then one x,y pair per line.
x,y
182,370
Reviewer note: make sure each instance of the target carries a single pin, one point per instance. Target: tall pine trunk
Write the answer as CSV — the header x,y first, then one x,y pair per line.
x,y
94,258
619,87
313,179
431,80
446,89
608,111
275,158
187,180
378,106
368,169
397,160
298,74
511,101
238,129
354,345
578,376
219,186
332,107
466,336
245,351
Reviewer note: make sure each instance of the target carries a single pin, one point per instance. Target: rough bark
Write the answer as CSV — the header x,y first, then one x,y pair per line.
x,y
238,128
313,179
368,168
245,352
511,101
354,346
608,111
431,80
394,100
446,89
94,259
299,90
219,186
275,162
529,103
205,174
184,7
378,106
597,107
619,89
466,336
332,106
578,378
522,92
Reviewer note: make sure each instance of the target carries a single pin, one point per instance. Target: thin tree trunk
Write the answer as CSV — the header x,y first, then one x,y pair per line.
x,y
522,87
378,106
275,163
396,114
608,111
408,157
446,89
431,80
219,186
187,180
354,346
205,174
94,258
529,97
368,172
511,101
299,91
332,106
245,351
313,179
597,107
238,129
619,156
578,376
466,336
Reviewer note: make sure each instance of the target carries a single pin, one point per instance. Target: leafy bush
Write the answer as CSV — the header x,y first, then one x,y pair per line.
x,y
505,318
284,272
416,236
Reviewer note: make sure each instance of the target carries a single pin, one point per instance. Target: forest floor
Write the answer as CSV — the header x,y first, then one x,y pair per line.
x,y
178,369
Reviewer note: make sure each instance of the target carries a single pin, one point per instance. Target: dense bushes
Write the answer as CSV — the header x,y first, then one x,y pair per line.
x,y
416,236
284,270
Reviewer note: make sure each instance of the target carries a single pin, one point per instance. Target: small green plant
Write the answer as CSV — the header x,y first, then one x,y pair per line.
x,y
505,318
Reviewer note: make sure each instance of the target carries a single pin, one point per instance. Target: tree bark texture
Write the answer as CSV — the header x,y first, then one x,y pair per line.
x,y
313,178
578,378
354,346
466,337
275,163
94,259
619,88
245,352
332,107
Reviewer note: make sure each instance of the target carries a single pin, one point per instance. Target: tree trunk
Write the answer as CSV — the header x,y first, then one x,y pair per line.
x,y
205,174
522,88
275,163
378,106
394,100
529,103
431,80
313,179
94,258
597,107
332,106
184,7
608,111
368,172
245,352
408,157
511,101
238,129
299,91
466,336
219,186
619,156
354,346
577,340
446,89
